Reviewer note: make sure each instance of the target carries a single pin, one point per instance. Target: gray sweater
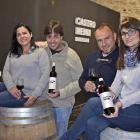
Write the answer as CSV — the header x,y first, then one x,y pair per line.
x,y
33,67
127,84
69,69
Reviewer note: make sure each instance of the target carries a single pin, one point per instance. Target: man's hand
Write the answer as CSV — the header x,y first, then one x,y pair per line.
x,y
30,101
115,114
15,92
41,44
55,94
89,86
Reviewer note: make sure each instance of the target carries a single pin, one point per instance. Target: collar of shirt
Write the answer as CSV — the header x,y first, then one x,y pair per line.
x,y
30,51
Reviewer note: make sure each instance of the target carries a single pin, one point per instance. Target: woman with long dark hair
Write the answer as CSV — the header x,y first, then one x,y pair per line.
x,y
26,61
92,120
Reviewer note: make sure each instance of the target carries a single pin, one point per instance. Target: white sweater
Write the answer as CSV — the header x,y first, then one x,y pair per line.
x,y
127,84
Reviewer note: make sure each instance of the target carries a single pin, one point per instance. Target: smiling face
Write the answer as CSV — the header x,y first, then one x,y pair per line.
x,y
23,37
54,41
130,40
105,39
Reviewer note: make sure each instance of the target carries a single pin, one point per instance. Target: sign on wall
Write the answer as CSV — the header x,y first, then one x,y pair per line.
x,y
78,17
84,30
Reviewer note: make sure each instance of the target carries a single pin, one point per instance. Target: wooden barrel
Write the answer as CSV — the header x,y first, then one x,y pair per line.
x,y
118,134
28,123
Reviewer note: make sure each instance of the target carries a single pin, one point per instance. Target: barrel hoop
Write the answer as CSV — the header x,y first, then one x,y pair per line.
x,y
25,112
49,138
28,121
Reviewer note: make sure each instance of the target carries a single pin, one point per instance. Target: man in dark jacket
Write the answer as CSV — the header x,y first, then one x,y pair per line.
x,y
104,59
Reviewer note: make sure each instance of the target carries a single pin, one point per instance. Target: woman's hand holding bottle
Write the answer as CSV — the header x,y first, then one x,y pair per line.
x,y
115,114
116,105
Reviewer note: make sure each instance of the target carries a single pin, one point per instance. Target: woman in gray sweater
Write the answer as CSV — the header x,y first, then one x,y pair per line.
x,y
26,61
92,119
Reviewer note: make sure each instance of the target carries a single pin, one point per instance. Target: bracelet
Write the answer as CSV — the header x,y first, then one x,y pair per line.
x,y
120,102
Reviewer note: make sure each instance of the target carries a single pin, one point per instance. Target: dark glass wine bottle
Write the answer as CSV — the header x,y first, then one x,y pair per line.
x,y
106,97
52,82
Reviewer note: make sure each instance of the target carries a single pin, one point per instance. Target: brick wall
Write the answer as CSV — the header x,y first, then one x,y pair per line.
x,y
125,7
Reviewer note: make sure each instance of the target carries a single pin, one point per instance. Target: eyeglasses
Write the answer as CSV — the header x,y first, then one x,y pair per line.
x,y
130,32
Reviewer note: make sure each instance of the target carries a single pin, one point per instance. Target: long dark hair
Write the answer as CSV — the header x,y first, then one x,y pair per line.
x,y
14,50
127,23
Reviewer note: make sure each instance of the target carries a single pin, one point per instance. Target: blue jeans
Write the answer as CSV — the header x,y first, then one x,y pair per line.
x,y
93,122
8,100
61,115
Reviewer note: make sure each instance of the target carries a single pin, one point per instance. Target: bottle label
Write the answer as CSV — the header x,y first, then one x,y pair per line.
x,y
52,83
106,100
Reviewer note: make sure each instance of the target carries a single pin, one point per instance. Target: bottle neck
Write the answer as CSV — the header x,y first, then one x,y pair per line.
x,y
101,81
53,68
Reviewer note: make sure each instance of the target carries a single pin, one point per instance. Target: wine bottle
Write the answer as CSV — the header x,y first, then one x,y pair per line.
x,y
106,98
52,82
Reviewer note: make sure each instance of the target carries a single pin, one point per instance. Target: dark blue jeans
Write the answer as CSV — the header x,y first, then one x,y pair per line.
x,y
8,100
93,122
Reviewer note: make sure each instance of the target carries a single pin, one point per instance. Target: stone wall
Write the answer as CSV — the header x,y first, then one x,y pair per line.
x,y
125,7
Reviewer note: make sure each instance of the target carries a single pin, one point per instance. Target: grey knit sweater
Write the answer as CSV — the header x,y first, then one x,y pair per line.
x,y
33,67
127,85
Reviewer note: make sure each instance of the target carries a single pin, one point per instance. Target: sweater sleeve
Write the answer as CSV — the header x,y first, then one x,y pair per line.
x,y
131,99
84,76
117,84
44,66
7,79
73,88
